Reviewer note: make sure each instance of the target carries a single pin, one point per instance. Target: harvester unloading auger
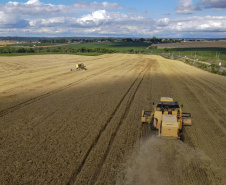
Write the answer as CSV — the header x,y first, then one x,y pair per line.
x,y
167,119
80,66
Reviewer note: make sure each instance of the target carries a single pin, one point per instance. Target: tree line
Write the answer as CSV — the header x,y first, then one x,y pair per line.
x,y
8,50
4,50
148,40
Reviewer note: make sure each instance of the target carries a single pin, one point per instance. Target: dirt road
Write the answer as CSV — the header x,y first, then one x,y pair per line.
x,y
59,126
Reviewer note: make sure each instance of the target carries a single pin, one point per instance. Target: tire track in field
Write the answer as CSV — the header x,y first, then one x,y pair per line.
x,y
212,127
188,86
163,90
211,89
56,131
29,71
195,168
216,86
208,132
75,175
146,131
211,100
37,98
123,117
205,80
36,82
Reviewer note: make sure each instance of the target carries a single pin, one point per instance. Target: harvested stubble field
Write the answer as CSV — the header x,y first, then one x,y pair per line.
x,y
83,127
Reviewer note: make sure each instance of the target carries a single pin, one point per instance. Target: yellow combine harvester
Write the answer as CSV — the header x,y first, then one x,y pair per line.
x,y
167,118
80,66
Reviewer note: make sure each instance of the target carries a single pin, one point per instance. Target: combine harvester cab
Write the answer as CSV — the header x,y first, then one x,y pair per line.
x,y
167,119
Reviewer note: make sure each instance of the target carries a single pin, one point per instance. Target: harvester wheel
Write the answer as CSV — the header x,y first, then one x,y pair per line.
x,y
152,124
182,138
182,127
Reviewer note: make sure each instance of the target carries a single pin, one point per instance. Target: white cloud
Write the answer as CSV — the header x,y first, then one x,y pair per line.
x,y
100,22
221,4
185,7
197,24
36,8
102,16
189,7
114,23
163,22
96,17
33,2
83,5
16,12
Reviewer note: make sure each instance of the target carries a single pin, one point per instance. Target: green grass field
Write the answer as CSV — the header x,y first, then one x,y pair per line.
x,y
209,55
116,46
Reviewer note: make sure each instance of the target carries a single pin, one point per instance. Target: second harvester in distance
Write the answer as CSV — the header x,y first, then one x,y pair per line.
x,y
167,118
80,66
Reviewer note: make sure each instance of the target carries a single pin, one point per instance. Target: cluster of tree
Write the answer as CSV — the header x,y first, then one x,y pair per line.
x,y
71,40
135,40
170,40
94,40
4,50
136,52
153,40
64,40
53,40
16,50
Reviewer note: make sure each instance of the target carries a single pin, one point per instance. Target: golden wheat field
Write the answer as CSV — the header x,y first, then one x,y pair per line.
x,y
3,43
59,126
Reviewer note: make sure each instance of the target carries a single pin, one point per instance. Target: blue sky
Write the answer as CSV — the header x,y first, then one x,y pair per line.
x,y
119,18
